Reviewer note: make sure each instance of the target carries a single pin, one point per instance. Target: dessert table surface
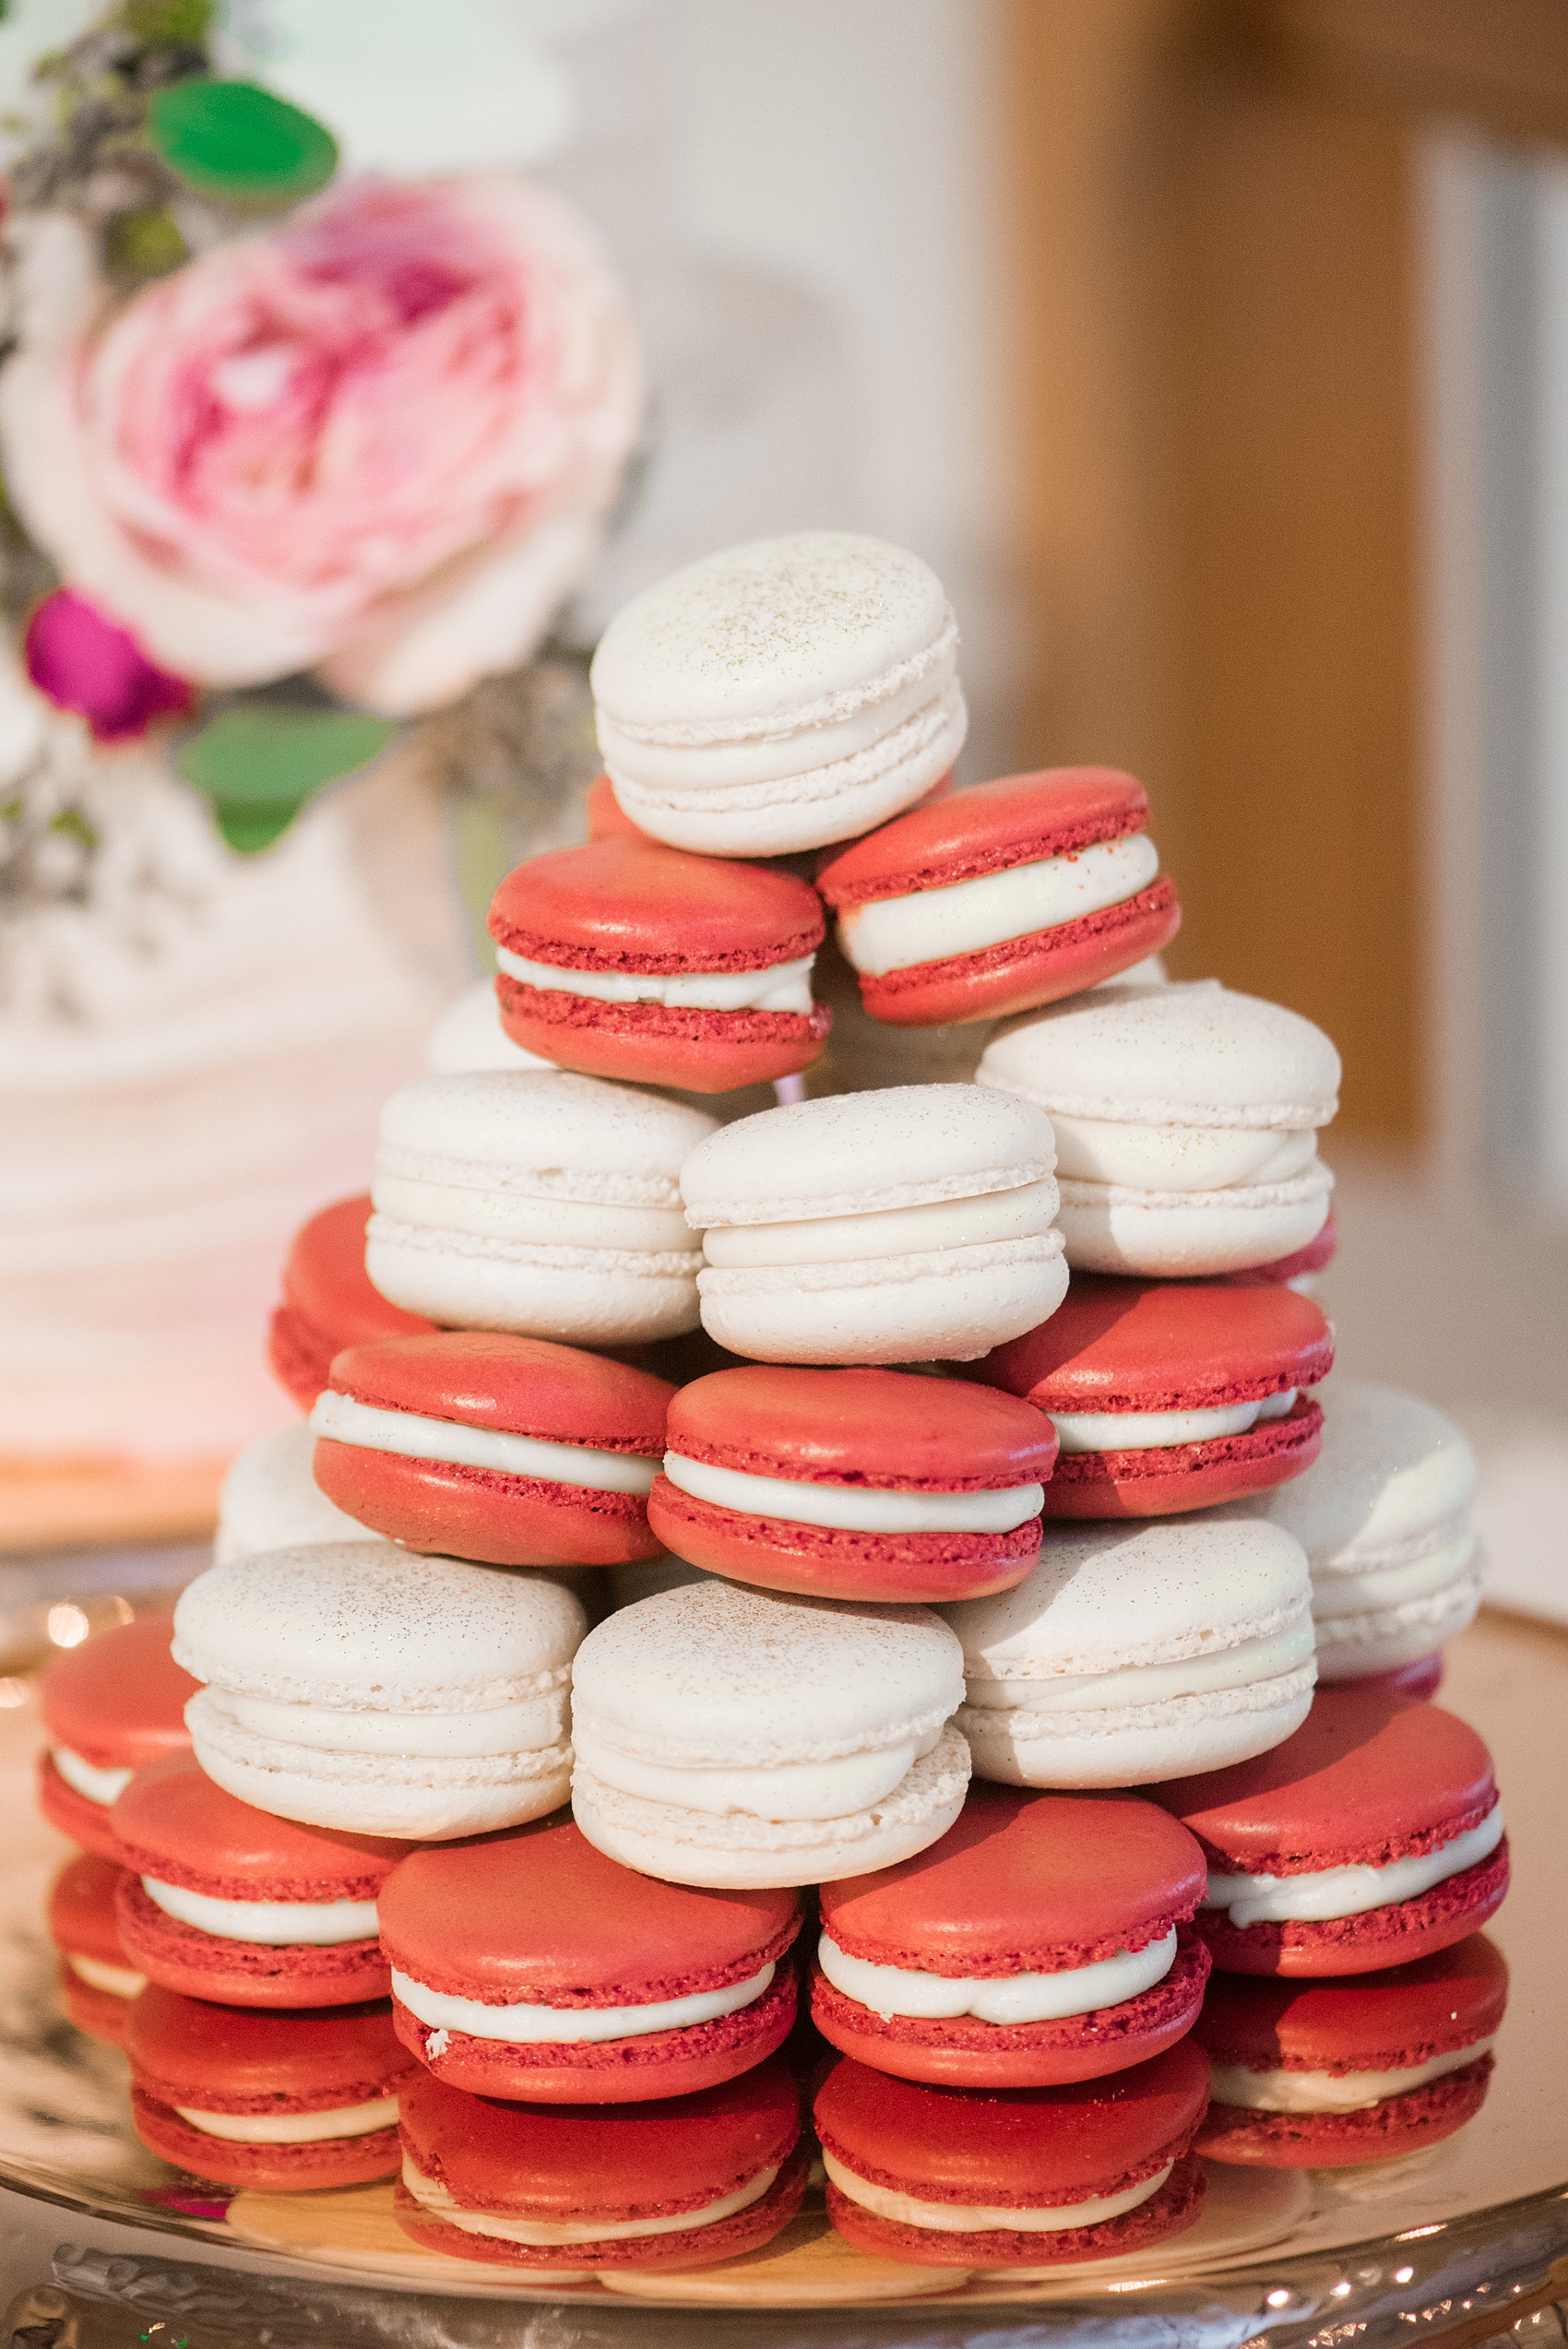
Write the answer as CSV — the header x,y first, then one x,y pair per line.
x,y
102,2243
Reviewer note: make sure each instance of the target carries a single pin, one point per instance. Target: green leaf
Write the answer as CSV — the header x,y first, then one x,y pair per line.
x,y
168,24
238,142
260,763
142,244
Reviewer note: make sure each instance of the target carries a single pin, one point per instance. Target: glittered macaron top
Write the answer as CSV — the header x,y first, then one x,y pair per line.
x,y
520,1385
368,1627
119,1699
1366,1780
859,1428
1019,820
178,1825
1106,1597
241,2060
81,1908
817,626
326,1284
860,1153
596,2161
1194,1054
630,905
1164,1346
1392,1470
551,1134
1383,2022
717,1672
1026,2148
536,1914
1024,1883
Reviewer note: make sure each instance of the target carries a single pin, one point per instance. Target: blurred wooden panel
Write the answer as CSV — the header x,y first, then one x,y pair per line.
x,y
1503,64
1214,406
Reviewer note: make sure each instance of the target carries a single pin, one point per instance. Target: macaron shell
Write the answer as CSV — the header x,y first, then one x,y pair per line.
x,y
951,1305
1378,1937
482,1514
1315,1257
1019,818
829,1561
245,1974
1168,2211
635,2069
697,2247
1041,966
81,1909
222,2058
959,2052
1385,2021
684,1046
101,2013
1416,1682
579,1297
176,1823
516,1385
88,1823
605,817
1221,1730
265,2169
632,906
1167,1480
119,1698
1190,1235
1164,1346
1379,2132
859,1428
329,1302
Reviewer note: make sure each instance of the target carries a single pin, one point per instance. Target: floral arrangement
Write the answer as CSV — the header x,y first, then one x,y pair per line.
x,y
309,451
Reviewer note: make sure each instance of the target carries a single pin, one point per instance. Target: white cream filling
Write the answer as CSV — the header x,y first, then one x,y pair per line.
x,y
86,1778
1319,1894
526,2025
778,987
121,1981
1395,1586
1015,1997
780,1791
524,1726
347,1420
1332,2092
856,1509
1144,1430
294,2128
987,2218
276,1924
533,1220
1229,1667
1018,1213
893,933
1178,1158
507,2227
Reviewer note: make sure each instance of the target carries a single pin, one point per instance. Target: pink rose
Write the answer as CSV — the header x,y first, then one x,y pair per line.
x,y
379,442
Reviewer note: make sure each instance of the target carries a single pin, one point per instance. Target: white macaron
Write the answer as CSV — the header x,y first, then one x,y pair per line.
x,y
270,1501
906,1226
359,1688
1134,1653
730,1736
1186,1119
469,1035
548,1205
781,694
1383,1514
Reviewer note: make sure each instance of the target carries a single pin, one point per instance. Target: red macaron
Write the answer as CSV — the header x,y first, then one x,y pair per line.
x,y
565,2190
624,958
1369,1781
933,2175
328,1302
215,1858
511,1451
1022,820
97,1981
1323,2074
109,1706
858,1484
280,2103
1024,1883
605,817
536,1918
1143,1350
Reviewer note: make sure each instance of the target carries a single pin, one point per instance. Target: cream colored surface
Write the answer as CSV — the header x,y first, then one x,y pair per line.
x,y
1321,1893
980,2218
951,1304
87,1779
1020,1214
344,1417
120,1981
271,1501
507,2227
1146,1430
523,2024
1110,1227
1333,2092
439,1736
469,1036
859,1508
892,933
275,1924
777,986
1004,1999
294,2128
1177,1158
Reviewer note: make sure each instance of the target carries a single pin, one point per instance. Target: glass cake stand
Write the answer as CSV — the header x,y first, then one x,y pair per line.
x,y
102,2244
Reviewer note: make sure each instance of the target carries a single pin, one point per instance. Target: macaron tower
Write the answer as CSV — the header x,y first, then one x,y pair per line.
x,y
860,1551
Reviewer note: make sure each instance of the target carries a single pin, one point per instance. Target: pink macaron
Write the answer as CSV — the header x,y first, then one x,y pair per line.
x,y
510,1450
1001,897
328,1301
528,1965
109,1706
1371,1836
624,958
853,1484
1171,1395
97,1981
